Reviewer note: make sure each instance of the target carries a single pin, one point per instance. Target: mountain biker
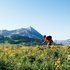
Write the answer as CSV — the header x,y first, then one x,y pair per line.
x,y
48,39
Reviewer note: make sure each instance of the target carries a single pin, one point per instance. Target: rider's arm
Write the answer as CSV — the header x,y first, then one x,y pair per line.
x,y
44,42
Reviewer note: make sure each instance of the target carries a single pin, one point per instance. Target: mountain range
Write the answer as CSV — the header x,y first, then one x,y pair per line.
x,y
64,42
29,32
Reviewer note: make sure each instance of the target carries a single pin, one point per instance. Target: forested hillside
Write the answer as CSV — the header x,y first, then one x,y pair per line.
x,y
20,39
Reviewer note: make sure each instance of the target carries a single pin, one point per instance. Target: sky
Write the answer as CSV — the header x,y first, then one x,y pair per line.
x,y
49,17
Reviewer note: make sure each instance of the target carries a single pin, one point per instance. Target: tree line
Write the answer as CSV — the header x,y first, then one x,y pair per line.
x,y
20,39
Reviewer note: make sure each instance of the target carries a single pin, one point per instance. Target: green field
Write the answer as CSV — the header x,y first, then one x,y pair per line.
x,y
34,58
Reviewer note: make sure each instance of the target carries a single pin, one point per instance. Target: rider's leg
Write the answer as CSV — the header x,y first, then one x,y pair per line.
x,y
48,45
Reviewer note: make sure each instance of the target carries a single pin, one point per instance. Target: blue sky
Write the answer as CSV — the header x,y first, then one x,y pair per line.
x,y
49,17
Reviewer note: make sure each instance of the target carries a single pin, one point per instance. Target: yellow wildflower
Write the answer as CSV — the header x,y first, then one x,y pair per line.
x,y
5,49
13,50
37,49
9,52
56,63
33,54
58,59
14,61
43,55
11,55
0,49
4,55
29,53
58,66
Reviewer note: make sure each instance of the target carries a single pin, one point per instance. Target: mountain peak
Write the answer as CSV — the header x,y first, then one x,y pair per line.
x,y
29,32
30,28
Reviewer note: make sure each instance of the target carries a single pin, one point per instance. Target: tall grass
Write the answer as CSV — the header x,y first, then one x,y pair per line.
x,y
35,58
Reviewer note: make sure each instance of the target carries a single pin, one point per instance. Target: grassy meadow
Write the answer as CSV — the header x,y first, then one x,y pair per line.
x,y
34,58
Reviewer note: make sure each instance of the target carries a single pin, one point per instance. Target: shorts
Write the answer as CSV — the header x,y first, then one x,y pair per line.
x,y
50,42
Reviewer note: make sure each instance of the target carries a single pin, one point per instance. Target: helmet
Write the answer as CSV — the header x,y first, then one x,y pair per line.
x,y
44,36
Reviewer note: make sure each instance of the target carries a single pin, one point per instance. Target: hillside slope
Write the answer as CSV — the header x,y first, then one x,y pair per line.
x,y
29,32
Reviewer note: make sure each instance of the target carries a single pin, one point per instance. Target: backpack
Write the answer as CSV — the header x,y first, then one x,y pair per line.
x,y
49,37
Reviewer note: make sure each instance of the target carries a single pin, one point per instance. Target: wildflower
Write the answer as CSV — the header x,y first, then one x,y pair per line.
x,y
33,54
37,49
44,50
52,46
58,59
14,61
56,63
13,50
29,53
4,55
5,49
12,55
9,52
34,50
58,66
68,57
0,49
43,55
